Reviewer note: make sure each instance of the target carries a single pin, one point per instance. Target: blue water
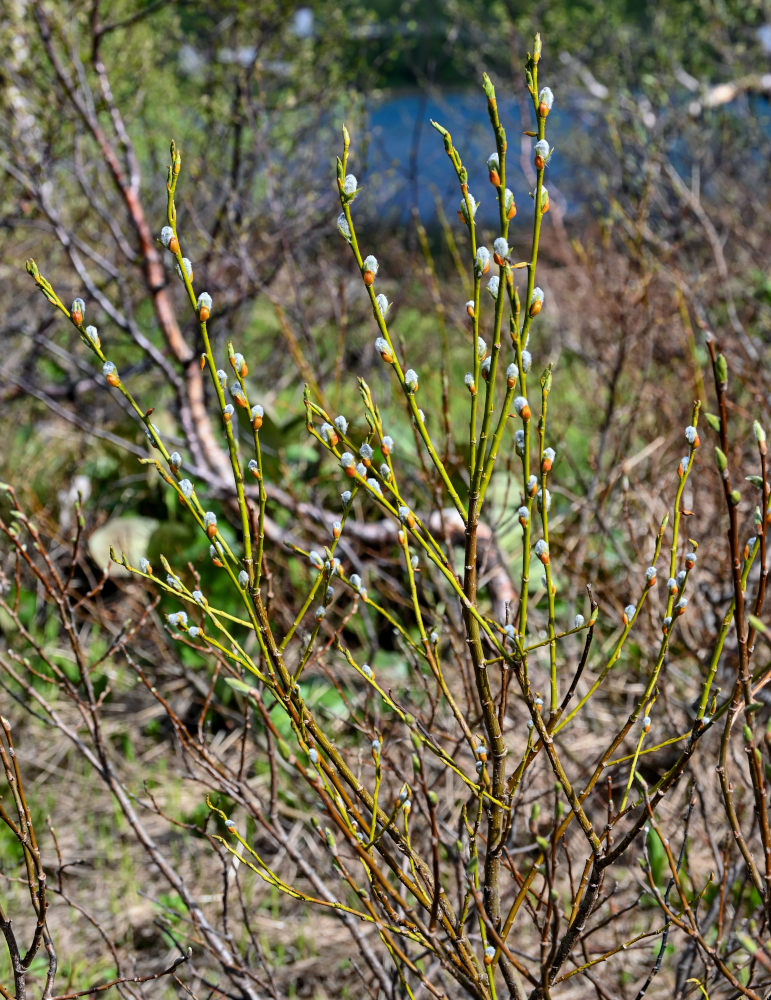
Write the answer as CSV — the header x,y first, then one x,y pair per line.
x,y
403,165
407,166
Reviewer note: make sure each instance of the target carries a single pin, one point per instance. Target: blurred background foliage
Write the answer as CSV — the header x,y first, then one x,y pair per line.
x,y
659,223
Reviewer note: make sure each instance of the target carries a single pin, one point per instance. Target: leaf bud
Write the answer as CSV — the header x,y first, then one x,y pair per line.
x,y
542,152
256,414
238,395
384,349
468,206
760,436
713,421
406,516
188,267
500,251
545,101
411,381
169,240
329,435
343,227
482,261
721,370
239,365
493,167
77,309
203,305
111,374
536,301
369,269
522,407
152,434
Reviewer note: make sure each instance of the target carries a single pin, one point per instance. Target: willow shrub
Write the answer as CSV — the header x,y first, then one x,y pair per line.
x,y
483,805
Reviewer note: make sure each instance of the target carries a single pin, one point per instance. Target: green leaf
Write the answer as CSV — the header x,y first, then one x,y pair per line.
x,y
713,421
657,857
